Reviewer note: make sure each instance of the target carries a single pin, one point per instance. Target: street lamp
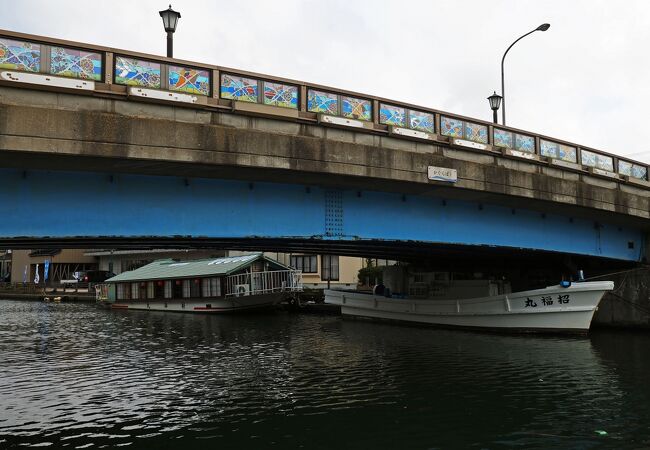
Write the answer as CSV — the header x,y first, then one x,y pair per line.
x,y
542,27
170,20
495,102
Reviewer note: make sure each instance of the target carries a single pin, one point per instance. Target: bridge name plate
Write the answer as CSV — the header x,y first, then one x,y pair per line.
x,y
442,174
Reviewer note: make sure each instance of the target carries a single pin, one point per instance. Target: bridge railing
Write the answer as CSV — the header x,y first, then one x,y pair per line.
x,y
137,75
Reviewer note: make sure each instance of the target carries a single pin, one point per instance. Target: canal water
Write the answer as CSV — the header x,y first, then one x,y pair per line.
x,y
75,376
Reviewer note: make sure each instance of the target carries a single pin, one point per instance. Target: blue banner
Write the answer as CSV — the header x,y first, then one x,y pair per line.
x,y
46,269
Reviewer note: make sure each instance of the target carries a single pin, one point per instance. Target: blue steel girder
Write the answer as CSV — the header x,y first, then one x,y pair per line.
x,y
38,204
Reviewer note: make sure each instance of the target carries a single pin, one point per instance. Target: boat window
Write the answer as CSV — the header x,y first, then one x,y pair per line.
x,y
195,289
215,287
168,289
210,287
135,287
186,288
123,291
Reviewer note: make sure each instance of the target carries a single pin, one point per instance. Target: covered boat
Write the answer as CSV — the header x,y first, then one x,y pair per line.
x,y
207,285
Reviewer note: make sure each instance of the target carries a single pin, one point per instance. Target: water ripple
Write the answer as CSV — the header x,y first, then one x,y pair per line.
x,y
77,376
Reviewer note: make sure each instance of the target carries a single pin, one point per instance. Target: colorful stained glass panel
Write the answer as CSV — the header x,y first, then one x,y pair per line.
x,y
632,170
550,149
392,115
640,172
356,108
135,72
20,55
476,132
239,88
323,102
502,138
277,94
451,127
568,153
68,62
422,121
524,143
185,79
625,168
592,159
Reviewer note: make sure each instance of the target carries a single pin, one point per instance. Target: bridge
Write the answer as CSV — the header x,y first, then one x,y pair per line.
x,y
113,148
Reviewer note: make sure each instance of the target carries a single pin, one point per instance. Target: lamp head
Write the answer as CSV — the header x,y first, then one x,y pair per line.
x,y
170,18
543,27
495,101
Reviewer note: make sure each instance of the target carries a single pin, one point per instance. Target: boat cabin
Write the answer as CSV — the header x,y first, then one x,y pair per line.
x,y
168,279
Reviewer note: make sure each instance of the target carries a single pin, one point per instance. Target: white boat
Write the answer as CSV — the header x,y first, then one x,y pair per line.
x,y
554,308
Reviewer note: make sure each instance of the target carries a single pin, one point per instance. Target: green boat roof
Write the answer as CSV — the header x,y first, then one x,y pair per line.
x,y
174,268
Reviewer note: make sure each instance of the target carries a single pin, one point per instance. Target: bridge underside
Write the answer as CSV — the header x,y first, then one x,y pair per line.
x,y
88,209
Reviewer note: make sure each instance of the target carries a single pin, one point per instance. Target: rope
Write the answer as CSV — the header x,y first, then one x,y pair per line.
x,y
617,273
613,293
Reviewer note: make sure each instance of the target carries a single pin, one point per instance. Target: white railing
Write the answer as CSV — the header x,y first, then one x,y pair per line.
x,y
263,282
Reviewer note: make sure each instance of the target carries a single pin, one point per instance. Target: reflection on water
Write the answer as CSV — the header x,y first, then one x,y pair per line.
x,y
80,377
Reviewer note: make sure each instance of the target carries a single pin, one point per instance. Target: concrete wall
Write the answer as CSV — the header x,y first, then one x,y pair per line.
x,y
61,130
629,304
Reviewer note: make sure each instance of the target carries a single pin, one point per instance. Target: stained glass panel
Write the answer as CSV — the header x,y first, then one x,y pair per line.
x,y
239,88
524,143
422,121
605,163
135,72
592,159
550,149
185,79
323,102
75,63
475,132
392,115
356,108
20,55
451,127
588,158
640,172
567,153
625,168
502,138
278,94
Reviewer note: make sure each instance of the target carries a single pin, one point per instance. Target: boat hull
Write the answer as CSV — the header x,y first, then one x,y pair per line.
x,y
205,305
553,309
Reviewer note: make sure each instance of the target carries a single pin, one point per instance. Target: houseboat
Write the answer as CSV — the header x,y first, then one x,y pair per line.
x,y
487,304
214,285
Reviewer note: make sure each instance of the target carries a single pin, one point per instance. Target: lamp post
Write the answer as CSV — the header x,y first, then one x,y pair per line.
x,y
542,27
495,102
170,20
